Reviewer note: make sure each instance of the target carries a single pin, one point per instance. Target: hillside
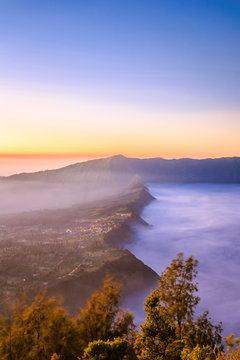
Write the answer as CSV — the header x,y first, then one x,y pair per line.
x,y
81,213
222,170
69,251
120,171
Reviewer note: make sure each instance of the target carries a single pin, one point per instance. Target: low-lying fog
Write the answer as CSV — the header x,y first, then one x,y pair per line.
x,y
19,196
201,220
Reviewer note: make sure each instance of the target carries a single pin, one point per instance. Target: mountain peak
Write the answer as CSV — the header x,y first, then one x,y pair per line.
x,y
119,156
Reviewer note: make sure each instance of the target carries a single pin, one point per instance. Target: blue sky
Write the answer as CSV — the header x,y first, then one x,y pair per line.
x,y
158,55
157,48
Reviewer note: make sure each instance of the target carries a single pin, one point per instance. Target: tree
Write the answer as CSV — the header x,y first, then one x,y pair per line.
x,y
103,319
203,332
233,349
106,350
38,331
157,334
170,315
198,353
207,353
176,292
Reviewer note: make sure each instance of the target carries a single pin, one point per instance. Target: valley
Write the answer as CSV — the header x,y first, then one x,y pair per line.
x,y
58,249
77,224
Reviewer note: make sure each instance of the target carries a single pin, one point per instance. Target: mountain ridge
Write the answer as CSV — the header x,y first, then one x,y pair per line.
x,y
121,169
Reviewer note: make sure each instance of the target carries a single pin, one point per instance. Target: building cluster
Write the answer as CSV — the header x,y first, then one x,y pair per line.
x,y
38,255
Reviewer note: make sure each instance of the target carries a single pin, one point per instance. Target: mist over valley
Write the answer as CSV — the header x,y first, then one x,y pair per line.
x,y
83,211
201,220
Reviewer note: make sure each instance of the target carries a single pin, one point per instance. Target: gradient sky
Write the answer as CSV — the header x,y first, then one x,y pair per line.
x,y
141,78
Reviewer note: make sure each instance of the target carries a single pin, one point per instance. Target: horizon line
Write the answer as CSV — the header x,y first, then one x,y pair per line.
x,y
100,156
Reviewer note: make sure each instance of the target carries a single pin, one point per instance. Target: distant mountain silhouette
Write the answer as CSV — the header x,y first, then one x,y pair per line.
x,y
223,170
120,171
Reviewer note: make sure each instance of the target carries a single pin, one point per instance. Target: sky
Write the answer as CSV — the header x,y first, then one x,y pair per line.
x,y
144,78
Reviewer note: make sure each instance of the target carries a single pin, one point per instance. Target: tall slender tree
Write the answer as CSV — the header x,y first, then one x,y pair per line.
x,y
170,323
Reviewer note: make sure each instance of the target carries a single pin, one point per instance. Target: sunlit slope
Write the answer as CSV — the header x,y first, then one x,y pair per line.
x,y
115,169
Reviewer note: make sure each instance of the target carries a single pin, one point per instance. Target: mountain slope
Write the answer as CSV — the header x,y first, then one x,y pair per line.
x,y
225,170
119,171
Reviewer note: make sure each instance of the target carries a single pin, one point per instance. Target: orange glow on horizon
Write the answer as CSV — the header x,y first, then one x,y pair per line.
x,y
172,155
57,126
46,155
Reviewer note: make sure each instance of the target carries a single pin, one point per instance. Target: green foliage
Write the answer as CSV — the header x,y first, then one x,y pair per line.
x,y
104,331
107,350
231,343
198,353
157,334
176,291
102,319
169,325
202,332
207,353
44,330
38,331
233,349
